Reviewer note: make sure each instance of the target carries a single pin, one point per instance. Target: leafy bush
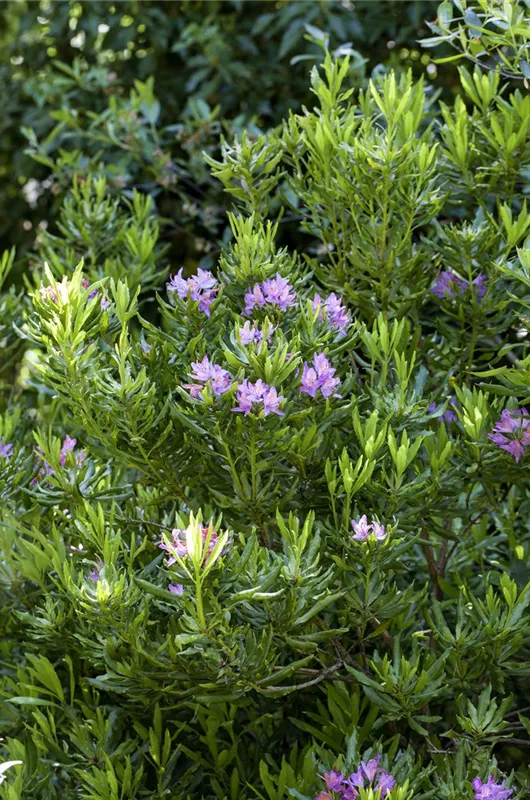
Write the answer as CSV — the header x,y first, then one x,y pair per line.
x,y
78,95
264,532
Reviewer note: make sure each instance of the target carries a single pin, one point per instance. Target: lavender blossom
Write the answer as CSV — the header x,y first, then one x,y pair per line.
x,y
319,377
249,335
176,589
201,288
491,790
448,284
274,291
362,529
333,311
368,775
334,780
204,372
512,432
6,449
260,394
385,784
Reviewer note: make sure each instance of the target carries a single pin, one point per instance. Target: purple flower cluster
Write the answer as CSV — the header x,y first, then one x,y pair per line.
x,y
332,310
319,377
203,373
202,287
449,284
256,397
369,774
6,449
491,790
512,432
179,546
274,292
362,529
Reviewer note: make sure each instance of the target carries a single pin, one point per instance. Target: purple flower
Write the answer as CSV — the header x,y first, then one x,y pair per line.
x,y
319,377
178,546
362,529
258,394
491,790
449,284
512,432
480,284
254,297
176,588
6,449
202,287
332,310
278,292
386,783
249,334
204,372
334,780
274,291
371,768
94,574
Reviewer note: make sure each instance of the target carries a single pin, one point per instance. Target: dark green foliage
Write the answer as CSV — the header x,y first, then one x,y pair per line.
x,y
185,609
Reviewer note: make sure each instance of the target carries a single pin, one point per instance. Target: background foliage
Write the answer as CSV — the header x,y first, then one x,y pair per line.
x,y
263,468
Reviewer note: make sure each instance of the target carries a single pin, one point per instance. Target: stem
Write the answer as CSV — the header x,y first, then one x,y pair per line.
x,y
199,604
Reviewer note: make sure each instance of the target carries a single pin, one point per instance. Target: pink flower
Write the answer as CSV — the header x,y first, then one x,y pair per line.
x,y
202,287
204,372
6,450
249,334
361,531
333,311
274,291
258,394
512,432
491,790
334,780
319,377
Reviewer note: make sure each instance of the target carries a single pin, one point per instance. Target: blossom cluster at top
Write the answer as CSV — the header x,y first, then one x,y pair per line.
x,y
205,373
362,529
202,287
320,377
512,432
449,284
369,774
256,397
273,292
491,790
332,310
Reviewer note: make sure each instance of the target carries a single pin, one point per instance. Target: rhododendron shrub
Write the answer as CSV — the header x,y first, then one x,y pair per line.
x,y
265,532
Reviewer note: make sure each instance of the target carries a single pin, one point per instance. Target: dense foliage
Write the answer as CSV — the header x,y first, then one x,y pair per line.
x,y
264,510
